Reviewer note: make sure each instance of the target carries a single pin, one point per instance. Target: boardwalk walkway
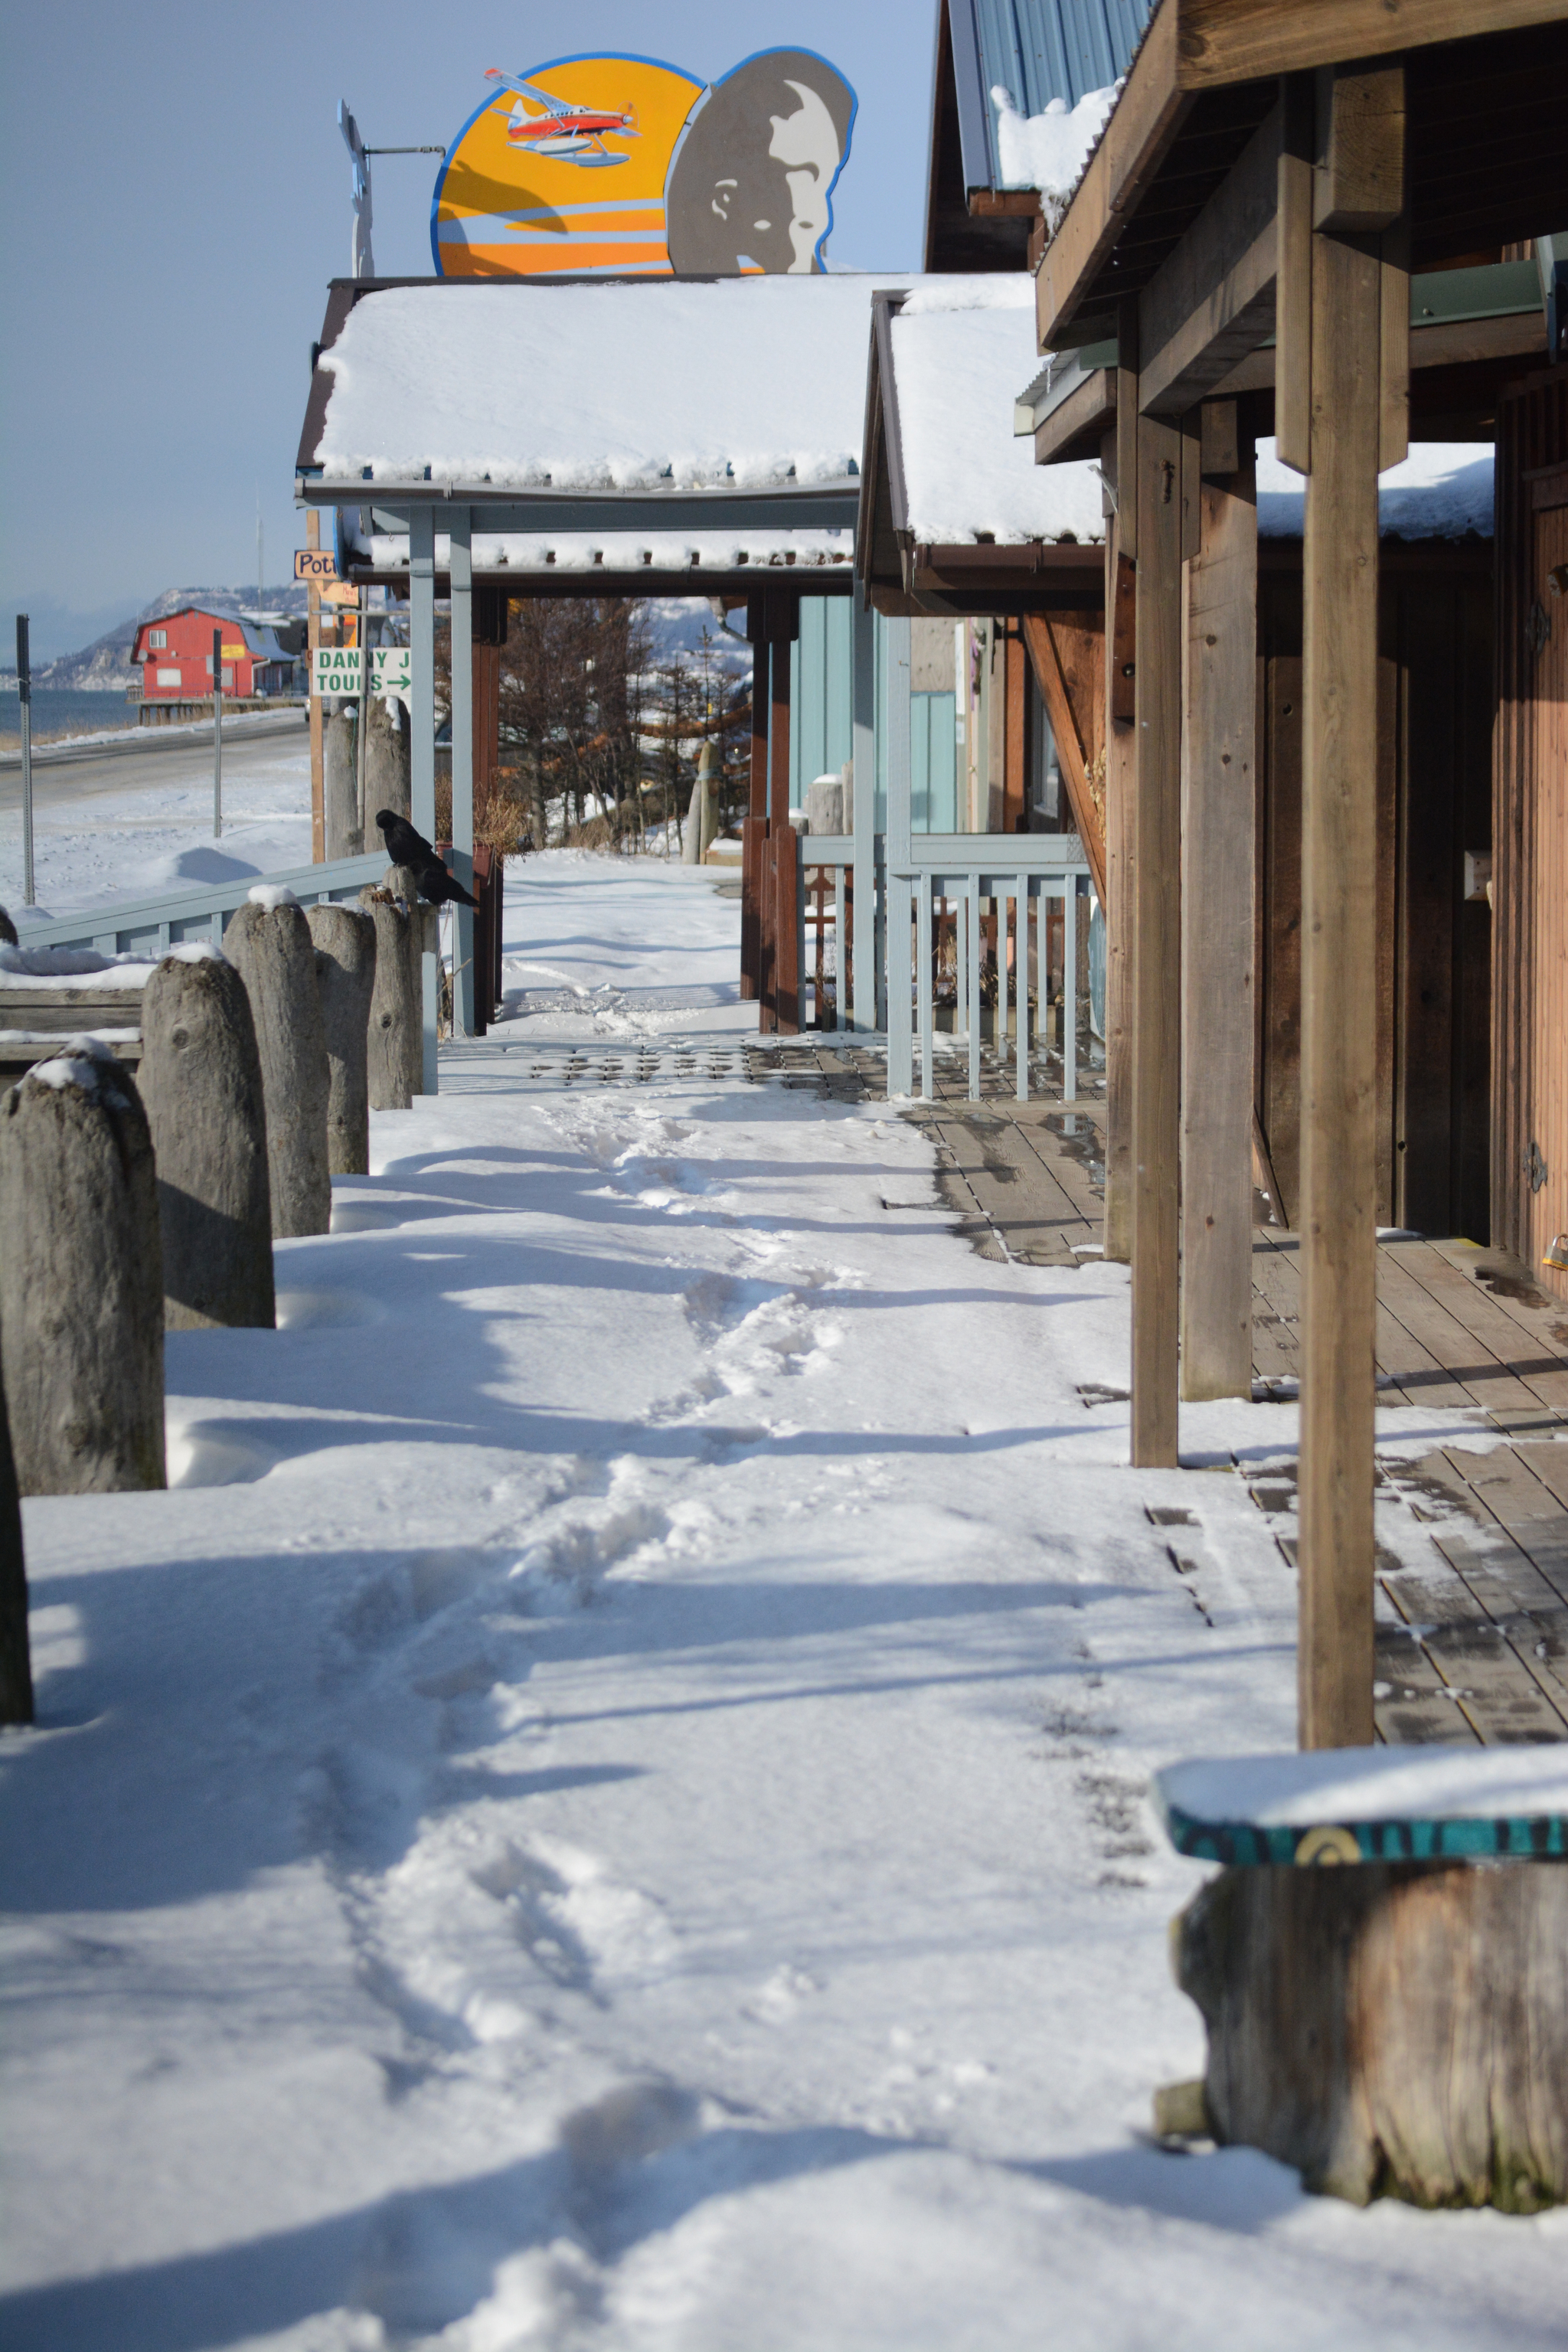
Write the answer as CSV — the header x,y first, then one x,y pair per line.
x,y
1472,1636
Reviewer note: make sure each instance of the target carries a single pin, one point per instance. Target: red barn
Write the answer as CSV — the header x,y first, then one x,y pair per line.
x,y
176,657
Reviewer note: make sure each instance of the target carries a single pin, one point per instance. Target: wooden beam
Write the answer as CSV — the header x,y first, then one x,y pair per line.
x,y
1211,298
1359,183
1338,982
1067,651
318,767
1081,420
1120,934
1220,41
1144,120
1156,980
1292,374
1218,880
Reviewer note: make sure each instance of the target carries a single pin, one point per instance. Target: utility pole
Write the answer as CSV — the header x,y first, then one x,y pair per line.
x,y
24,697
218,734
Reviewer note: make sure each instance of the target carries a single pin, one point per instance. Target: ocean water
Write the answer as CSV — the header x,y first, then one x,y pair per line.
x,y
63,710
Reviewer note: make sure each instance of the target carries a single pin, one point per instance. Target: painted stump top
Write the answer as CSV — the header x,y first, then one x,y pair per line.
x,y
1369,1804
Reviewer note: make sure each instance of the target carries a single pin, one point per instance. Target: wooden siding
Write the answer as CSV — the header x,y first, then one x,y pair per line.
x,y
1529,876
1435,685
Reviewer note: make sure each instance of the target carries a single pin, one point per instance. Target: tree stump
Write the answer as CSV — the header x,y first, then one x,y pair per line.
x,y
201,1085
387,782
1390,2029
394,1042
82,1281
345,972
272,948
340,786
15,1658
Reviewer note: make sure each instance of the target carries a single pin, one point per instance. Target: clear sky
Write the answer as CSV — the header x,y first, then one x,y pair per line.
x,y
177,197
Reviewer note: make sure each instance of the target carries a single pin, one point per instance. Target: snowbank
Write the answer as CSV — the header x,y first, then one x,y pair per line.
x,y
68,967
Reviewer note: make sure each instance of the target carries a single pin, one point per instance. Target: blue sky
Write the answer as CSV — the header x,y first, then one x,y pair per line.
x,y
176,196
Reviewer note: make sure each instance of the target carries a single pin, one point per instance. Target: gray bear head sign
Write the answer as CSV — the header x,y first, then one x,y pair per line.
x,y
751,184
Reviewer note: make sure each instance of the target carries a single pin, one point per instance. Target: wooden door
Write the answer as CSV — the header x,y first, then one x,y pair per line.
x,y
1543,1195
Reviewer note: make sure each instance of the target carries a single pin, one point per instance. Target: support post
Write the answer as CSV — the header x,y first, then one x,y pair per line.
x,y
25,714
1121,871
1218,881
1339,954
462,652
780,996
422,742
864,738
754,830
218,734
1156,989
312,639
900,1008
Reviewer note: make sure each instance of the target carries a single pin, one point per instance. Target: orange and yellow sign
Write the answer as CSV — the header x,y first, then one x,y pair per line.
x,y
617,166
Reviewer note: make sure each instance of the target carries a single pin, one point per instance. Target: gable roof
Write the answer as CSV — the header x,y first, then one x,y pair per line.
x,y
1037,51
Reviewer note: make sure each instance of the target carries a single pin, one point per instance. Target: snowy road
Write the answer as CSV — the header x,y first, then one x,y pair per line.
x,y
605,1809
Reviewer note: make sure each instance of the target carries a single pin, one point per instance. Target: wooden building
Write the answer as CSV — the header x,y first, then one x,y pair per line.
x,y
1320,220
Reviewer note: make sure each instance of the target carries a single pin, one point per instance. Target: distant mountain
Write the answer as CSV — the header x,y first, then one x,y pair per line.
x,y
677,625
104,666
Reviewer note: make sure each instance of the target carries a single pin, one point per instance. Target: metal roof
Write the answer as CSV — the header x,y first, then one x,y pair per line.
x,y
1035,50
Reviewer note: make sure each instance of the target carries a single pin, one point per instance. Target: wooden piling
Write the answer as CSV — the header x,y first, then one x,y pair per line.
x,y
345,940
394,1041
272,948
81,1285
345,835
200,1081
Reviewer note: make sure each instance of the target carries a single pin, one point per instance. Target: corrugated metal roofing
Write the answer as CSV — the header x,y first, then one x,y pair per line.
x,y
1037,51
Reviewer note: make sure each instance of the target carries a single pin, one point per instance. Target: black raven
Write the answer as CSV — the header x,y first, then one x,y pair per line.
x,y
407,848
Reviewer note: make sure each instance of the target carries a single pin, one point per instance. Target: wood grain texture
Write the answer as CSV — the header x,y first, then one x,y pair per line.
x,y
200,1081
16,1655
394,1045
345,835
1292,370
1338,991
1157,1024
1067,652
272,948
81,1286
1218,861
1221,41
1145,120
1120,929
386,771
1359,184
1212,300
1390,2029
344,939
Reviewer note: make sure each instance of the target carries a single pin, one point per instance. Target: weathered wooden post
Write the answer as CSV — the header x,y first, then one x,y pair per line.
x,y
1396,2024
200,1082
269,940
15,1658
345,971
387,782
81,1283
346,834
394,1042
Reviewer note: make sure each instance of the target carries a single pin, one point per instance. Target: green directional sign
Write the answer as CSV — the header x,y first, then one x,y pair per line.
x,y
337,670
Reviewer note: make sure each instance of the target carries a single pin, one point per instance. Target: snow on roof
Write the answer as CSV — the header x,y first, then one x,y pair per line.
x,y
1049,150
656,553
961,349
743,383
1443,490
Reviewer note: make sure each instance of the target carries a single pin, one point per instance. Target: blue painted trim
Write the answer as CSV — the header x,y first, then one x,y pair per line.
x,y
582,57
1246,1845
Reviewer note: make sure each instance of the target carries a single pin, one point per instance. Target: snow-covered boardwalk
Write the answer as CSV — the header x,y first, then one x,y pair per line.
x,y
606,1806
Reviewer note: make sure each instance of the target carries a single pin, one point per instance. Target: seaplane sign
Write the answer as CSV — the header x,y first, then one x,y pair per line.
x,y
575,134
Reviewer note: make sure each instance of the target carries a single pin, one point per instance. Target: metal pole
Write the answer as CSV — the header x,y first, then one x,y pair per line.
x,y
24,697
218,734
